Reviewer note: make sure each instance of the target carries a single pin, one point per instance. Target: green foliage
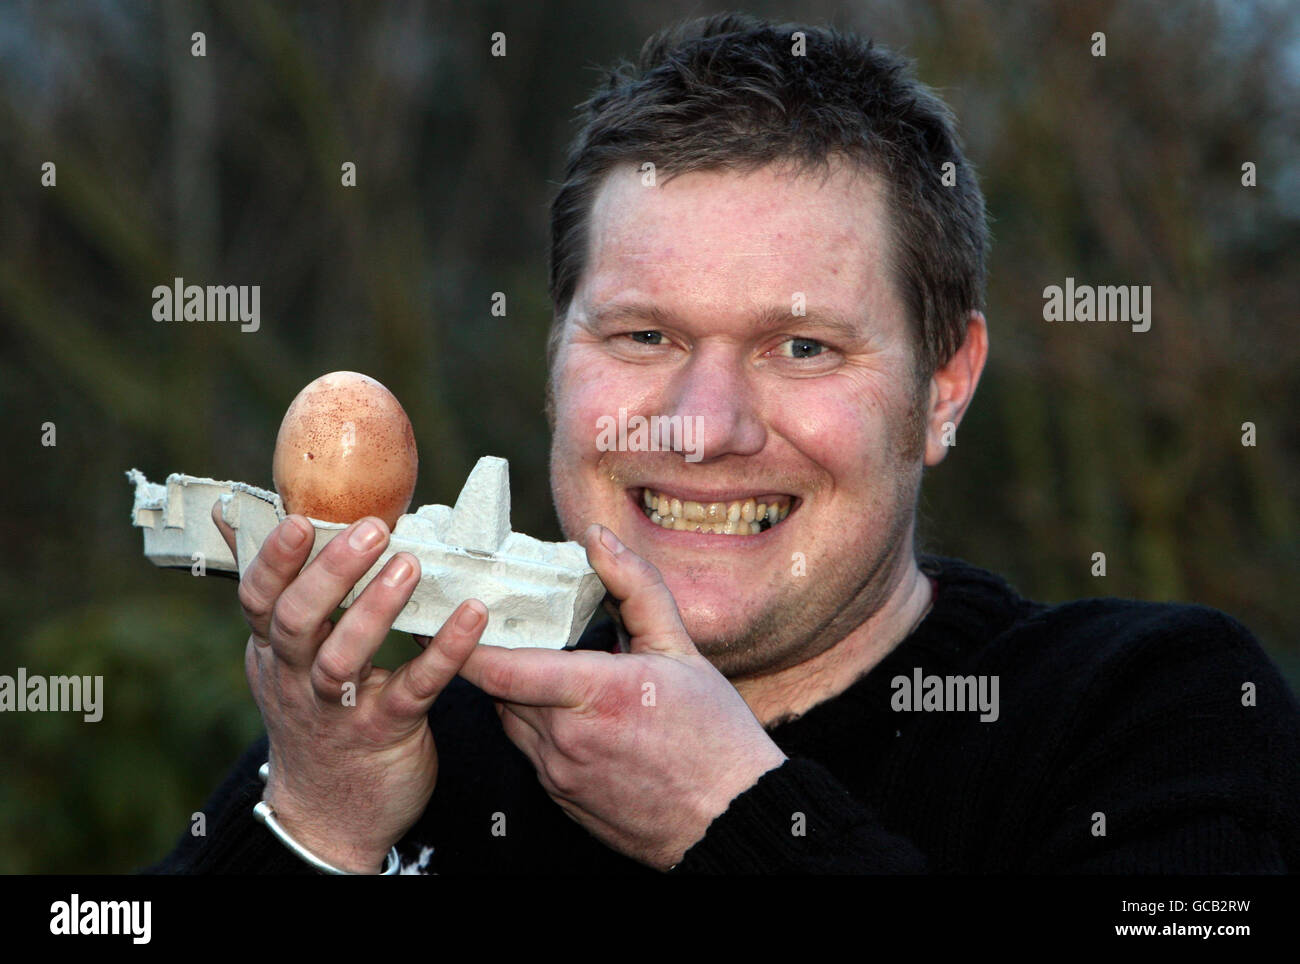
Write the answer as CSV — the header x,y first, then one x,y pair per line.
x,y
105,796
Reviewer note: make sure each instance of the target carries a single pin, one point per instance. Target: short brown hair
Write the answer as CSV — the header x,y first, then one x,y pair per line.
x,y
727,92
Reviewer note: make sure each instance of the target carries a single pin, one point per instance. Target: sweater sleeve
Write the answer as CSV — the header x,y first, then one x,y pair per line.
x,y
798,819
232,842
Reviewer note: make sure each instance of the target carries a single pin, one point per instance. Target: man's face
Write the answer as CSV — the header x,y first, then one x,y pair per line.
x,y
689,306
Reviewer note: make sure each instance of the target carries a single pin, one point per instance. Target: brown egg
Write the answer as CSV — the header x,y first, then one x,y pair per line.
x,y
345,451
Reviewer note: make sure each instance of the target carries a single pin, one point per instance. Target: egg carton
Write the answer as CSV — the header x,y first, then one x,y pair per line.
x,y
537,593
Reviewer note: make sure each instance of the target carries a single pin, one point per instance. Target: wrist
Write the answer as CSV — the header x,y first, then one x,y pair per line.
x,y
764,758
767,756
324,848
355,858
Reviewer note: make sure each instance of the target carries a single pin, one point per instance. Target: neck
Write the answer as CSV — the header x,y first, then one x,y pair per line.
x,y
791,692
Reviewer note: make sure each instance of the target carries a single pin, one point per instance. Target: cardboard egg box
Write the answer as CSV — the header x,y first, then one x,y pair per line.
x,y
537,593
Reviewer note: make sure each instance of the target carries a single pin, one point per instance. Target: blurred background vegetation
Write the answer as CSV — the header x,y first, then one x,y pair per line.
x,y
226,170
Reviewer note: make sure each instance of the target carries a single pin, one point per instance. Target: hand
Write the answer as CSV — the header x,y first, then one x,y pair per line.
x,y
645,748
353,762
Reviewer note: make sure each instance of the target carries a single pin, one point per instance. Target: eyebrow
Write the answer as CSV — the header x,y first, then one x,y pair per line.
x,y
767,319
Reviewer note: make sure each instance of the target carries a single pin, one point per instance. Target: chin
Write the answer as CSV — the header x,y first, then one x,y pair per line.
x,y
764,641
711,614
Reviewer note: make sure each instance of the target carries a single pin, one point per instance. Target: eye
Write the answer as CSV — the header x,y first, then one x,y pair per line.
x,y
801,348
647,337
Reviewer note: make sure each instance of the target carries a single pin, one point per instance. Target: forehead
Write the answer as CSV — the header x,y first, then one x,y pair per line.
x,y
717,239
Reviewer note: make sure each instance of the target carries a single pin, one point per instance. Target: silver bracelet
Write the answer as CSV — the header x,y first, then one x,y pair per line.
x,y
264,813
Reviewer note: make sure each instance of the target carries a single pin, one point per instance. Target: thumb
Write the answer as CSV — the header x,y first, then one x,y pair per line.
x,y
646,605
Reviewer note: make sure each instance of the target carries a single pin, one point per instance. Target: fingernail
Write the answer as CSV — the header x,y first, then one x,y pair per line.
x,y
610,541
291,534
398,572
469,618
365,535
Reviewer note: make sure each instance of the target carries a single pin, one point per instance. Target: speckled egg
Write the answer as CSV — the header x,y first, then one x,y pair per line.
x,y
346,451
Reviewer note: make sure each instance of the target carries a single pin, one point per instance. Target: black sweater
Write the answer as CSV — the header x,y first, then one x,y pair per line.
x,y
1124,743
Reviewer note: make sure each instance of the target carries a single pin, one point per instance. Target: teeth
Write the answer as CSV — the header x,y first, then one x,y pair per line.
x,y
746,517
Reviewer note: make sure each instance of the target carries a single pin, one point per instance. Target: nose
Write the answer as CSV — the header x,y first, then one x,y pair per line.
x,y
717,404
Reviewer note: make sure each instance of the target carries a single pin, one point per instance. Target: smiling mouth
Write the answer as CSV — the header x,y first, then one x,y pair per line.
x,y
740,517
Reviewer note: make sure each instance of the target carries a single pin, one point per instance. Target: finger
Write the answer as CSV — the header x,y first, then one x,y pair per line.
x,y
534,716
421,641
411,690
310,599
357,636
646,605
253,669
540,753
227,533
536,677
276,565
262,668
522,734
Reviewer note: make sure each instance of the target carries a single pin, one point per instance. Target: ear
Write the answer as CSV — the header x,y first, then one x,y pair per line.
x,y
952,387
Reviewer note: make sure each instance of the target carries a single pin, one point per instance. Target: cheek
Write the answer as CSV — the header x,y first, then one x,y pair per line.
x,y
842,424
591,386
575,403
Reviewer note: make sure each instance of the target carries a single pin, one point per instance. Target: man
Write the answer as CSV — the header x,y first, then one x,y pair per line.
x,y
754,237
